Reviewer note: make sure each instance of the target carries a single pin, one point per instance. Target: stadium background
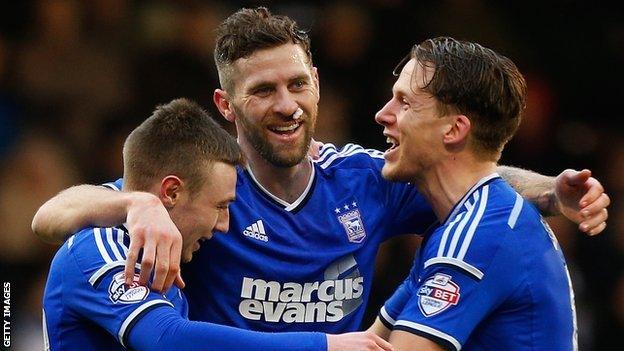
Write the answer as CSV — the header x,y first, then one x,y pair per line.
x,y
77,76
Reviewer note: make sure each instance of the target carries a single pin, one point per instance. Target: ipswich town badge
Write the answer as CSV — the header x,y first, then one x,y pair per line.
x,y
437,294
351,220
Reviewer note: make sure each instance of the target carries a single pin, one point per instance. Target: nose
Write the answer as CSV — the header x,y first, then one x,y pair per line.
x,y
223,221
386,115
285,103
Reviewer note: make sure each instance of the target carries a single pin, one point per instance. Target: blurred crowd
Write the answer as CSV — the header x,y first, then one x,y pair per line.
x,y
77,76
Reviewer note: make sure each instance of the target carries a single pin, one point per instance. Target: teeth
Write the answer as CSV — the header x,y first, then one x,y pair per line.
x,y
391,140
287,128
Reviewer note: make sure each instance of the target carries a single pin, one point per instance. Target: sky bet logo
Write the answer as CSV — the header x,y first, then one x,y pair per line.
x,y
437,294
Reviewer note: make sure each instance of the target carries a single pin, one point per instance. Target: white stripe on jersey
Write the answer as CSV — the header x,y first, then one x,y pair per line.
x,y
126,323
113,245
386,316
329,153
446,233
455,262
332,150
474,224
70,241
429,330
455,230
120,241
107,268
515,212
112,186
460,228
100,245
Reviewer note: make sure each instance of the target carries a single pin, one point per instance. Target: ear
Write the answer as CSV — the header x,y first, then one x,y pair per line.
x,y
315,78
221,100
171,188
457,130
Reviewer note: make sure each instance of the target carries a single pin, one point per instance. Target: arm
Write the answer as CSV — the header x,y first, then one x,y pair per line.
x,y
79,206
405,341
164,329
576,195
380,329
147,220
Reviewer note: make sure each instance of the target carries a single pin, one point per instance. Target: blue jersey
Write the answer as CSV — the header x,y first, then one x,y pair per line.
x,y
491,277
87,306
306,265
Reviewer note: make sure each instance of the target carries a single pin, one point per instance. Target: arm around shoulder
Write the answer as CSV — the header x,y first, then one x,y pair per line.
x,y
82,205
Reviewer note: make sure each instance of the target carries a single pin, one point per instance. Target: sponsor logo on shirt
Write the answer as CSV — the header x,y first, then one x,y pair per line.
x,y
256,231
328,300
437,294
119,292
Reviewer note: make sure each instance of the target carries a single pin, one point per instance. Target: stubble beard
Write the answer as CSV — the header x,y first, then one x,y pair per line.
x,y
279,156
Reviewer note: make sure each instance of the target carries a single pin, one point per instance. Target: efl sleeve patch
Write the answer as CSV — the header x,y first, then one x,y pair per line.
x,y
119,292
437,294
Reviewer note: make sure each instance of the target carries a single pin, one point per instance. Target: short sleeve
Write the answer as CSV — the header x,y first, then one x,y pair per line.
x,y
94,278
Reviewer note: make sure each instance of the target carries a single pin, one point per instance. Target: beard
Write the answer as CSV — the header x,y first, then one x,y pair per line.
x,y
278,155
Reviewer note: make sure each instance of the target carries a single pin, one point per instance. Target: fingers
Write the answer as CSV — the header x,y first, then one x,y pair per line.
x,y
598,229
162,267
179,282
131,259
595,223
383,344
594,192
174,267
147,261
576,177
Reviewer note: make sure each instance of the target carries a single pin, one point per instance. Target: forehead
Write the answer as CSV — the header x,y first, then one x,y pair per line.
x,y
271,64
414,76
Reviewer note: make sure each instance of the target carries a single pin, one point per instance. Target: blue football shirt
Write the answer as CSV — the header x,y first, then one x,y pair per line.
x,y
86,304
306,265
491,277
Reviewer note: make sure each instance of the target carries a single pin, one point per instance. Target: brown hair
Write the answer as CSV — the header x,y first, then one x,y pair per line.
x,y
249,30
178,138
475,81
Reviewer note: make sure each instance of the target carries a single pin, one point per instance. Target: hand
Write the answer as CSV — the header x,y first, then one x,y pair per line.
x,y
359,341
581,198
314,149
152,229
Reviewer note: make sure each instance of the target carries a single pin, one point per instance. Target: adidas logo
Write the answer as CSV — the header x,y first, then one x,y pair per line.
x,y
256,231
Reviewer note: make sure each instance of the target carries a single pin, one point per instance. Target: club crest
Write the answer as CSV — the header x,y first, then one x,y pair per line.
x,y
120,293
437,294
351,220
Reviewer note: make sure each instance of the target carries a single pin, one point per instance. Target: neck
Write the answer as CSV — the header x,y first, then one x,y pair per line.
x,y
286,183
446,184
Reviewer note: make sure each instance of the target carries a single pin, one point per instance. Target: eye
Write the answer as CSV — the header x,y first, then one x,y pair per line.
x,y
263,91
298,84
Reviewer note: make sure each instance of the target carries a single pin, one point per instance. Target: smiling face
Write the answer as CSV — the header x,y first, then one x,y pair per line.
x,y
268,89
199,215
412,124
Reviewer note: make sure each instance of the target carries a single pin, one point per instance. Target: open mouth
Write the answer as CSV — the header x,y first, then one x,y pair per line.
x,y
287,129
393,143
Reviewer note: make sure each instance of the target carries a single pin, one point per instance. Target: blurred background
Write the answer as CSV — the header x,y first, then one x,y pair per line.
x,y
77,76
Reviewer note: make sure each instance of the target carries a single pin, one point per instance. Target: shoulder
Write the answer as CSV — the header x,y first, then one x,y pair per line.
x,y
482,230
98,250
350,156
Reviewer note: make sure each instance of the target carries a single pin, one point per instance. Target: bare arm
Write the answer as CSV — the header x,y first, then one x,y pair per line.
x,y
148,222
82,205
575,194
380,329
405,341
